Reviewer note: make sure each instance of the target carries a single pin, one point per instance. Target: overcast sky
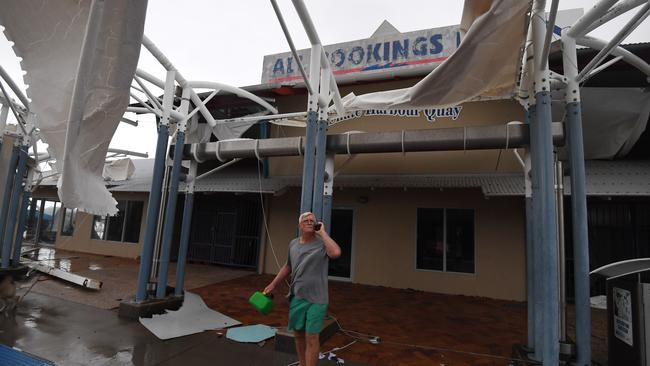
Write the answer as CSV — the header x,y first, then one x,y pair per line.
x,y
226,41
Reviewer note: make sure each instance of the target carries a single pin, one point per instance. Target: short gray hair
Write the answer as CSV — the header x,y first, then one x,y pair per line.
x,y
303,215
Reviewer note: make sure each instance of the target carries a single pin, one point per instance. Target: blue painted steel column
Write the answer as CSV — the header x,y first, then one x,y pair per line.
x,y
6,195
170,214
548,238
535,235
152,214
264,134
530,248
185,239
12,214
319,170
328,191
308,163
18,241
4,113
580,236
530,274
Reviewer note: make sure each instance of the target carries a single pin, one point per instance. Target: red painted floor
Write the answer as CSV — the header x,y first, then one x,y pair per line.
x,y
415,327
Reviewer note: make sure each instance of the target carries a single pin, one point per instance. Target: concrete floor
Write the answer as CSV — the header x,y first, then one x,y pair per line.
x,y
73,334
71,326
117,274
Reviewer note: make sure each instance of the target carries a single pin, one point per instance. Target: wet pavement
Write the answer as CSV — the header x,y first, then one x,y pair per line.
x,y
70,326
118,276
73,334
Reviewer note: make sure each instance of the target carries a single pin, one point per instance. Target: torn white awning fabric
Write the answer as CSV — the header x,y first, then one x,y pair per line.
x,y
48,36
485,65
613,120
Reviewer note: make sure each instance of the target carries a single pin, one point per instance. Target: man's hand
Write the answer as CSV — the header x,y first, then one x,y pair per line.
x,y
269,289
282,274
331,247
321,228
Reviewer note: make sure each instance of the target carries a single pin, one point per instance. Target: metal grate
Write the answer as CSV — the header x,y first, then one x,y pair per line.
x,y
226,230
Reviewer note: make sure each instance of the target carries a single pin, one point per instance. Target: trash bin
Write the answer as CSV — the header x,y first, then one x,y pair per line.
x,y
628,313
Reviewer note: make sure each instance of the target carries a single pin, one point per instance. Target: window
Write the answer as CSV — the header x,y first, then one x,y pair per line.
x,y
42,221
124,227
67,227
445,239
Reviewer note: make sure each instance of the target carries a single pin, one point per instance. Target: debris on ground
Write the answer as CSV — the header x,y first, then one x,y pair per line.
x,y
192,317
64,275
251,334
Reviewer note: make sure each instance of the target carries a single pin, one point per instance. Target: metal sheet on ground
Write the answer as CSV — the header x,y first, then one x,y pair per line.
x,y
251,334
193,317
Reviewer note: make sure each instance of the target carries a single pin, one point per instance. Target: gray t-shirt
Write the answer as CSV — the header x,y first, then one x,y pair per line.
x,y
309,265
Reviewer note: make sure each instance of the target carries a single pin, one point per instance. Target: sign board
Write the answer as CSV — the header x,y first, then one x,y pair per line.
x,y
398,53
623,315
393,53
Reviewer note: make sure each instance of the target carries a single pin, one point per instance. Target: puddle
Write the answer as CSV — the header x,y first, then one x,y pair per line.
x,y
30,323
94,267
123,356
65,264
31,319
47,257
43,254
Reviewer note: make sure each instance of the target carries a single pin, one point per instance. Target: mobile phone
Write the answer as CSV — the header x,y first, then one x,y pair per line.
x,y
317,226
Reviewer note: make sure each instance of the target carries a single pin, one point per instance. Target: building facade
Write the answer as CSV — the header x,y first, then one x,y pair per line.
x,y
448,221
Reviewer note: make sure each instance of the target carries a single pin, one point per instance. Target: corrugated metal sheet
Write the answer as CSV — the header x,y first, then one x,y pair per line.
x,y
140,181
216,183
510,185
490,184
243,183
604,178
616,178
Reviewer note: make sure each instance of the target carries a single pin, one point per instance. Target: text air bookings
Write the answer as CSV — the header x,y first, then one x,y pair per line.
x,y
397,51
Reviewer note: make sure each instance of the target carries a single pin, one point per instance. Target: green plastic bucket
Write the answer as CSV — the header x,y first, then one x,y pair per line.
x,y
263,303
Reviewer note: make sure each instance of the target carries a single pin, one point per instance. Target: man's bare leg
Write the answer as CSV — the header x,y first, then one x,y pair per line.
x,y
300,346
313,348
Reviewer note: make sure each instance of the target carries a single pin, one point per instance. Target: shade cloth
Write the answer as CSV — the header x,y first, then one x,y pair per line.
x,y
484,66
48,36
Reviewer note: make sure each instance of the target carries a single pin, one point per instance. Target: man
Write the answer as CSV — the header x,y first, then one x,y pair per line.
x,y
307,263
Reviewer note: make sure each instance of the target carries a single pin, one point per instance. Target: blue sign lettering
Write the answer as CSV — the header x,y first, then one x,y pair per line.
x,y
404,51
356,55
278,67
420,46
437,45
400,50
373,50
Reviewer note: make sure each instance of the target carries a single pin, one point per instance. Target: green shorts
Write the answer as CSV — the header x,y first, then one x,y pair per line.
x,y
305,316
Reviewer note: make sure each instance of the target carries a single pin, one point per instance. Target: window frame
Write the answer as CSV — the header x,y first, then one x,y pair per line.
x,y
444,235
73,217
107,224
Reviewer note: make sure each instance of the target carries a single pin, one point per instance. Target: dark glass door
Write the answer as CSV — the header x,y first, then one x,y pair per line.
x,y
341,232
